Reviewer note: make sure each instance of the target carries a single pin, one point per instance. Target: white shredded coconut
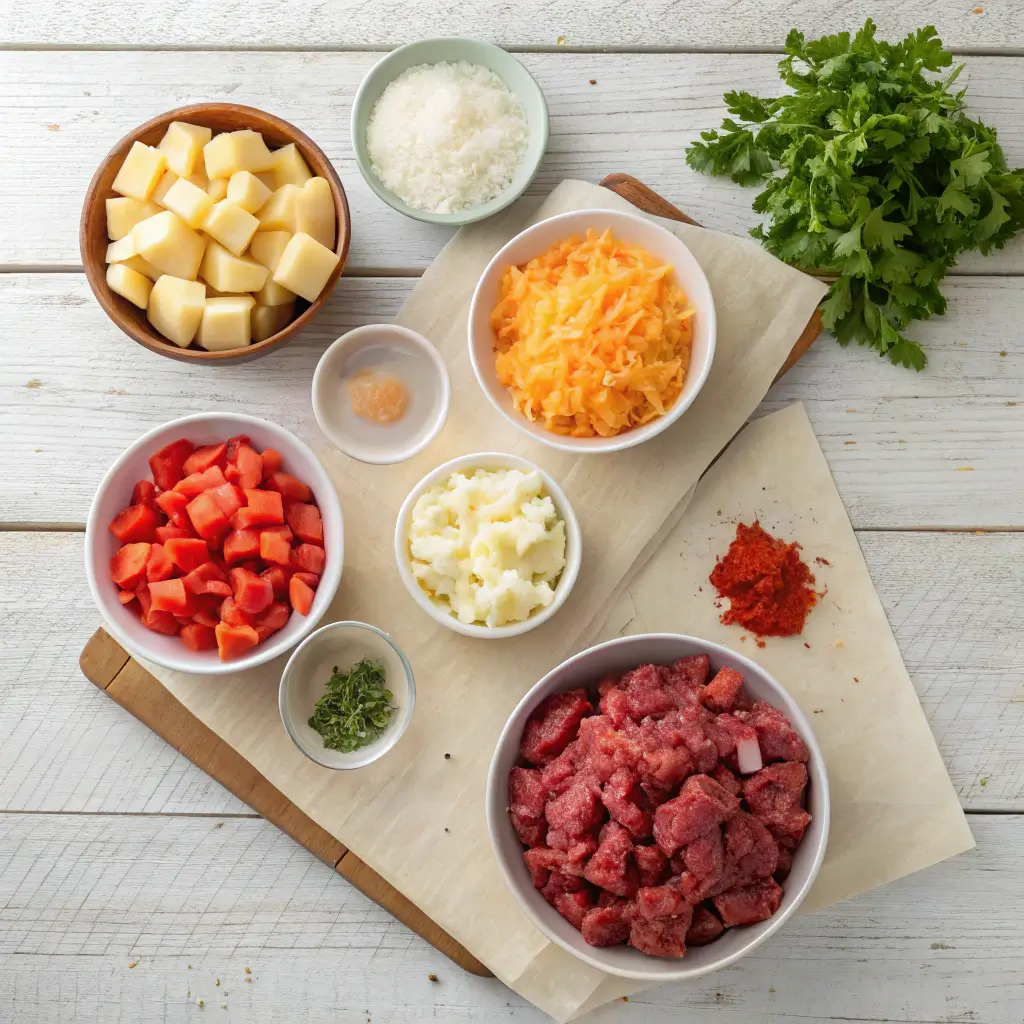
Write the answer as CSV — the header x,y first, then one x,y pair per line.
x,y
446,137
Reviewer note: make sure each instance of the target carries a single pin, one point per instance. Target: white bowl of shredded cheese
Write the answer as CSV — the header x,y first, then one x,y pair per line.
x,y
488,545
450,130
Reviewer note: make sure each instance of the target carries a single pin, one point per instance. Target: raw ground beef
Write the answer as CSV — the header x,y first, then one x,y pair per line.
x,y
663,812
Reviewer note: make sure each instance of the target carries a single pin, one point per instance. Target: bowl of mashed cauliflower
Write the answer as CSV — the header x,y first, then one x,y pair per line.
x,y
488,545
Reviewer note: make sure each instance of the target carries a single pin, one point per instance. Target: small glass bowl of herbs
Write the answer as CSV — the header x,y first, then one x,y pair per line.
x,y
346,695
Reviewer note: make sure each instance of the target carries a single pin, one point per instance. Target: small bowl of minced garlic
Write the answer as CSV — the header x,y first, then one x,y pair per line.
x,y
449,130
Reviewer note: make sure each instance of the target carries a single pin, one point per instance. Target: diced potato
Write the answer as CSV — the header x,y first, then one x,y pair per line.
x,y
198,177
217,188
273,294
247,191
305,266
170,245
189,202
212,293
140,172
278,213
132,285
236,151
226,323
176,308
163,186
123,249
230,225
267,177
124,213
268,320
289,168
266,247
315,212
182,144
232,274
143,267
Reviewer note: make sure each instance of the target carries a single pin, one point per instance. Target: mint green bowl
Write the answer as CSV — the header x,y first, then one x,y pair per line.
x,y
453,48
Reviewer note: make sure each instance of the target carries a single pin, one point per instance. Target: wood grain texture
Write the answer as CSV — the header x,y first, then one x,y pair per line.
x,y
899,444
952,599
638,118
93,239
193,900
712,24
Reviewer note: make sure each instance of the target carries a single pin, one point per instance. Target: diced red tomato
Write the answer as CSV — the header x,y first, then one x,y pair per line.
x,y
174,505
167,464
144,493
170,596
309,558
252,592
274,618
232,614
206,456
309,578
246,469
205,618
188,553
300,596
272,461
305,522
290,487
252,565
274,548
145,601
233,641
198,637
194,485
159,565
128,566
137,522
230,497
241,544
126,596
234,442
278,576
208,519
166,533
207,579
262,508
162,622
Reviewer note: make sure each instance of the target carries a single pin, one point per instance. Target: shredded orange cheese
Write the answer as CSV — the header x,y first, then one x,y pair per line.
x,y
593,337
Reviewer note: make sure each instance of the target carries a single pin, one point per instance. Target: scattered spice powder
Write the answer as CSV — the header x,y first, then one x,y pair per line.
x,y
767,582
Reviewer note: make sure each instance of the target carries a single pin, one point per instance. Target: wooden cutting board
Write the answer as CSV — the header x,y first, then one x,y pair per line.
x,y
109,666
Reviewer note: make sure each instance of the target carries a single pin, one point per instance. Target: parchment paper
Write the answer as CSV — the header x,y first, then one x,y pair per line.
x,y
394,814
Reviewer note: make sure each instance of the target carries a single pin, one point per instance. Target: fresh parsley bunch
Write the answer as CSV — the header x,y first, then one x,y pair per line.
x,y
872,172
355,708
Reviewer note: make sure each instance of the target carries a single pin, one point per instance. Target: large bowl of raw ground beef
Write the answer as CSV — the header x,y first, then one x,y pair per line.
x,y
658,806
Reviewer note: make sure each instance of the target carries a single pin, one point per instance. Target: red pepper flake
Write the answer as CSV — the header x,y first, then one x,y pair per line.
x,y
767,582
807,645
822,561
760,642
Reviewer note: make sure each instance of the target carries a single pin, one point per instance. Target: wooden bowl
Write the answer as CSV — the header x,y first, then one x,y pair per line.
x,y
93,241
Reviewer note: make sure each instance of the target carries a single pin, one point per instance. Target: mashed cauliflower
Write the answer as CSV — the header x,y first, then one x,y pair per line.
x,y
491,545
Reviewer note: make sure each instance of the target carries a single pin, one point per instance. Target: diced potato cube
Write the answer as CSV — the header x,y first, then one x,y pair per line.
x,y
268,320
163,186
189,202
231,226
140,172
218,188
182,143
132,285
236,151
212,293
124,213
231,274
266,247
226,323
170,245
315,212
143,267
198,177
247,191
289,168
176,308
123,249
278,213
267,177
273,294
305,266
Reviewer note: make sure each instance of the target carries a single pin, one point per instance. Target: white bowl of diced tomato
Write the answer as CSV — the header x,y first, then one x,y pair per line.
x,y
214,543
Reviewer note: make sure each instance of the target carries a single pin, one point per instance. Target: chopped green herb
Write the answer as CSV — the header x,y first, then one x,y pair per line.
x,y
355,709
872,172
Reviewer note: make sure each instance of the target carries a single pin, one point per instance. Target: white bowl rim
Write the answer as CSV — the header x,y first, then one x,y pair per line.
x,y
397,733
264,652
630,438
497,816
573,543
418,341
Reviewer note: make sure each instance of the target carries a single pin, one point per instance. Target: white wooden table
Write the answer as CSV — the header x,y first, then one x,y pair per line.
x,y
129,882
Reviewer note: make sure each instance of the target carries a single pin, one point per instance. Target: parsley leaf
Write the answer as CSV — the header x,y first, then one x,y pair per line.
x,y
355,708
871,170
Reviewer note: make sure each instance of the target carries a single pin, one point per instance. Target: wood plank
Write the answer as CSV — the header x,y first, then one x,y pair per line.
x,y
898,442
63,114
954,601
193,900
714,24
